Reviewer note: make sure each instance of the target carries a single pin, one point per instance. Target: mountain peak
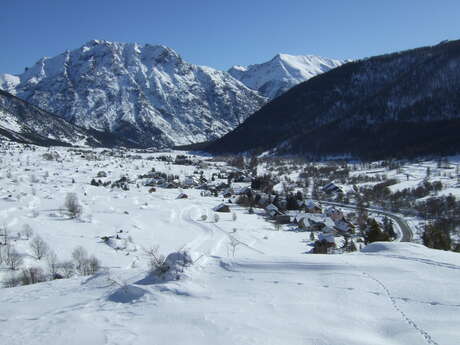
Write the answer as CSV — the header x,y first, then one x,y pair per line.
x,y
282,72
147,93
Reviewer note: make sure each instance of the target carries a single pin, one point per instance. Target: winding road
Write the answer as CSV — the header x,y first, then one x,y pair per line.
x,y
406,231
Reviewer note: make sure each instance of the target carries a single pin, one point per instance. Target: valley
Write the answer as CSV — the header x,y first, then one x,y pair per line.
x,y
245,278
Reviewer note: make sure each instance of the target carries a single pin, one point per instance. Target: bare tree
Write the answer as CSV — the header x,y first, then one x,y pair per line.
x,y
233,244
32,275
53,263
39,247
27,231
93,265
84,265
72,205
13,259
67,268
79,255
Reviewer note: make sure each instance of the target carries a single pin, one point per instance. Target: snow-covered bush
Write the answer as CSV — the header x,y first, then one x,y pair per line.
x,y
170,267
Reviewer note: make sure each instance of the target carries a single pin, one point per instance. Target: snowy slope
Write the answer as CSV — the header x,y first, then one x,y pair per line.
x,y
276,76
23,122
147,93
269,292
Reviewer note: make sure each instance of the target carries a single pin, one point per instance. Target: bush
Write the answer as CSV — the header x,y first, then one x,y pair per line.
x,y
27,231
32,275
39,247
157,261
12,281
72,205
12,258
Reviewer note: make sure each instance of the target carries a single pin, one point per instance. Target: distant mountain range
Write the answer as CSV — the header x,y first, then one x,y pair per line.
x,y
149,95
284,71
394,105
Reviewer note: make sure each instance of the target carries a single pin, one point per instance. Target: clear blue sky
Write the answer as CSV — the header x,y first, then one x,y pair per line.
x,y
221,33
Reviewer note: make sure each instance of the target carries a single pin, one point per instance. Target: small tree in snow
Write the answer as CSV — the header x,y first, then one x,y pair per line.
x,y
157,261
72,205
53,263
234,216
39,247
233,244
27,231
13,259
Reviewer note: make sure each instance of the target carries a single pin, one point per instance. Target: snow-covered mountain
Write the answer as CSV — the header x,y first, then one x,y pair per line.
x,y
25,123
394,105
147,93
276,76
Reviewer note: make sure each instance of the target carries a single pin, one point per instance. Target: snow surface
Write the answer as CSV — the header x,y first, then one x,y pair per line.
x,y
269,292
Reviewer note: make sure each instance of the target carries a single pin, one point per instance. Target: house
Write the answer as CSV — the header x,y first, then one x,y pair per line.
x,y
182,196
272,210
311,206
283,219
332,188
221,208
227,193
324,245
334,213
343,225
189,181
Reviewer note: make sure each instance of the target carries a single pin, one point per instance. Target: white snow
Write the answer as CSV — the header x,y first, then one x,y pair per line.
x,y
282,72
269,292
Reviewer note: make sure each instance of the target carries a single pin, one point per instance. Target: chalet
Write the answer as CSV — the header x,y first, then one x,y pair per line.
x,y
190,181
227,193
283,219
334,213
272,210
311,206
344,226
182,196
221,208
332,188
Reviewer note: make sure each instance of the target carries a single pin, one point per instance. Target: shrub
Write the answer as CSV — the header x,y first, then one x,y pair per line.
x,y
72,205
27,231
32,275
39,247
13,259
84,265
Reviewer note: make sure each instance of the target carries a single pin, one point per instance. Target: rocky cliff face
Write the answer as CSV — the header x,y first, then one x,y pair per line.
x,y
394,105
146,93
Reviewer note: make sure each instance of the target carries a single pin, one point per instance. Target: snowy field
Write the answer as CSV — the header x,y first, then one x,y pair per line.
x,y
263,290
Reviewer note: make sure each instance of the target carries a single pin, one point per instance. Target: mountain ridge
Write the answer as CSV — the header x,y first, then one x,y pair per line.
x,y
145,92
25,123
371,108
283,71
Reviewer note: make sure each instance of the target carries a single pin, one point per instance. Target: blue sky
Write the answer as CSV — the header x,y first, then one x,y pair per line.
x,y
222,33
